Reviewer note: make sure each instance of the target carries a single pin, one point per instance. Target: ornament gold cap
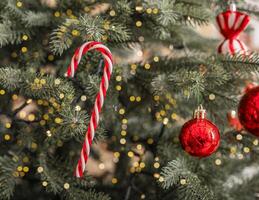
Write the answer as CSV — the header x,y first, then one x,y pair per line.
x,y
199,113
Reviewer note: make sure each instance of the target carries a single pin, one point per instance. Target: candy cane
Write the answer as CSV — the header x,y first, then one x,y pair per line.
x,y
80,168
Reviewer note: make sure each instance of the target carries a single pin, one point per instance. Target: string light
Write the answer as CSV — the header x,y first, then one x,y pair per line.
x,y
29,101
118,88
49,133
25,37
156,165
66,186
150,141
40,169
22,174
147,66
75,33
124,121
57,14
122,111
233,150
69,12
118,78
86,9
8,125
78,108
218,162
22,114
139,146
123,133
25,159
19,168
240,156
15,97
156,175
138,99
255,142
183,181
42,122
112,13
246,149
165,121
57,81
24,49
142,165
19,4
139,8
42,81
101,166
2,92
34,145
156,98
61,96
138,23
133,66
51,57
161,179
212,97
132,98
149,10
174,116
156,59
58,120
155,11
14,55
130,154
116,154
141,38
83,98
31,117
239,137
114,180
44,183
123,141
26,169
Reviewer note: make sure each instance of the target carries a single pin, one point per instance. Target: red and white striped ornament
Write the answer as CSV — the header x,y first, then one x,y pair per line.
x,y
231,23
81,165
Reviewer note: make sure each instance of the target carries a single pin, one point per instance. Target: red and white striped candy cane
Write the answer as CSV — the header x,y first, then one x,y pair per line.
x,y
80,168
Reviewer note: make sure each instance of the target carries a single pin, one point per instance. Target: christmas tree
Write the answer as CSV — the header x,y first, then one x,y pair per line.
x,y
164,68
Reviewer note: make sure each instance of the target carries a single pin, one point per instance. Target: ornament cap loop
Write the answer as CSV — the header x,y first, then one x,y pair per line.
x,y
233,7
199,113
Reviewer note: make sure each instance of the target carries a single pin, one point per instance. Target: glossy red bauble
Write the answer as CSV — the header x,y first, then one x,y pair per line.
x,y
199,137
248,111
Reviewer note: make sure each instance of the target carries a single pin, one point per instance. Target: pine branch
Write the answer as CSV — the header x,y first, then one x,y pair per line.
x,y
32,19
61,38
7,180
177,170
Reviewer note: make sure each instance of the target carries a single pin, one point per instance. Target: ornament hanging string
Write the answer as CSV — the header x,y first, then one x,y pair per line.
x,y
94,120
231,23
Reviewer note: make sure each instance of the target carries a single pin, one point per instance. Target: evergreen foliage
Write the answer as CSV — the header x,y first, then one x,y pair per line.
x,y
151,95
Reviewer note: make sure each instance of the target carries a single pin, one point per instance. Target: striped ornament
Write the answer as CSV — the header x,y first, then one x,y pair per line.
x,y
81,165
231,23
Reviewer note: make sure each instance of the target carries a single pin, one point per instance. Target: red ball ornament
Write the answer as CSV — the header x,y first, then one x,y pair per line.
x,y
248,111
199,137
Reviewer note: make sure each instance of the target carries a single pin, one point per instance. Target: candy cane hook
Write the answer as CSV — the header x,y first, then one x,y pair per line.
x,y
108,66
